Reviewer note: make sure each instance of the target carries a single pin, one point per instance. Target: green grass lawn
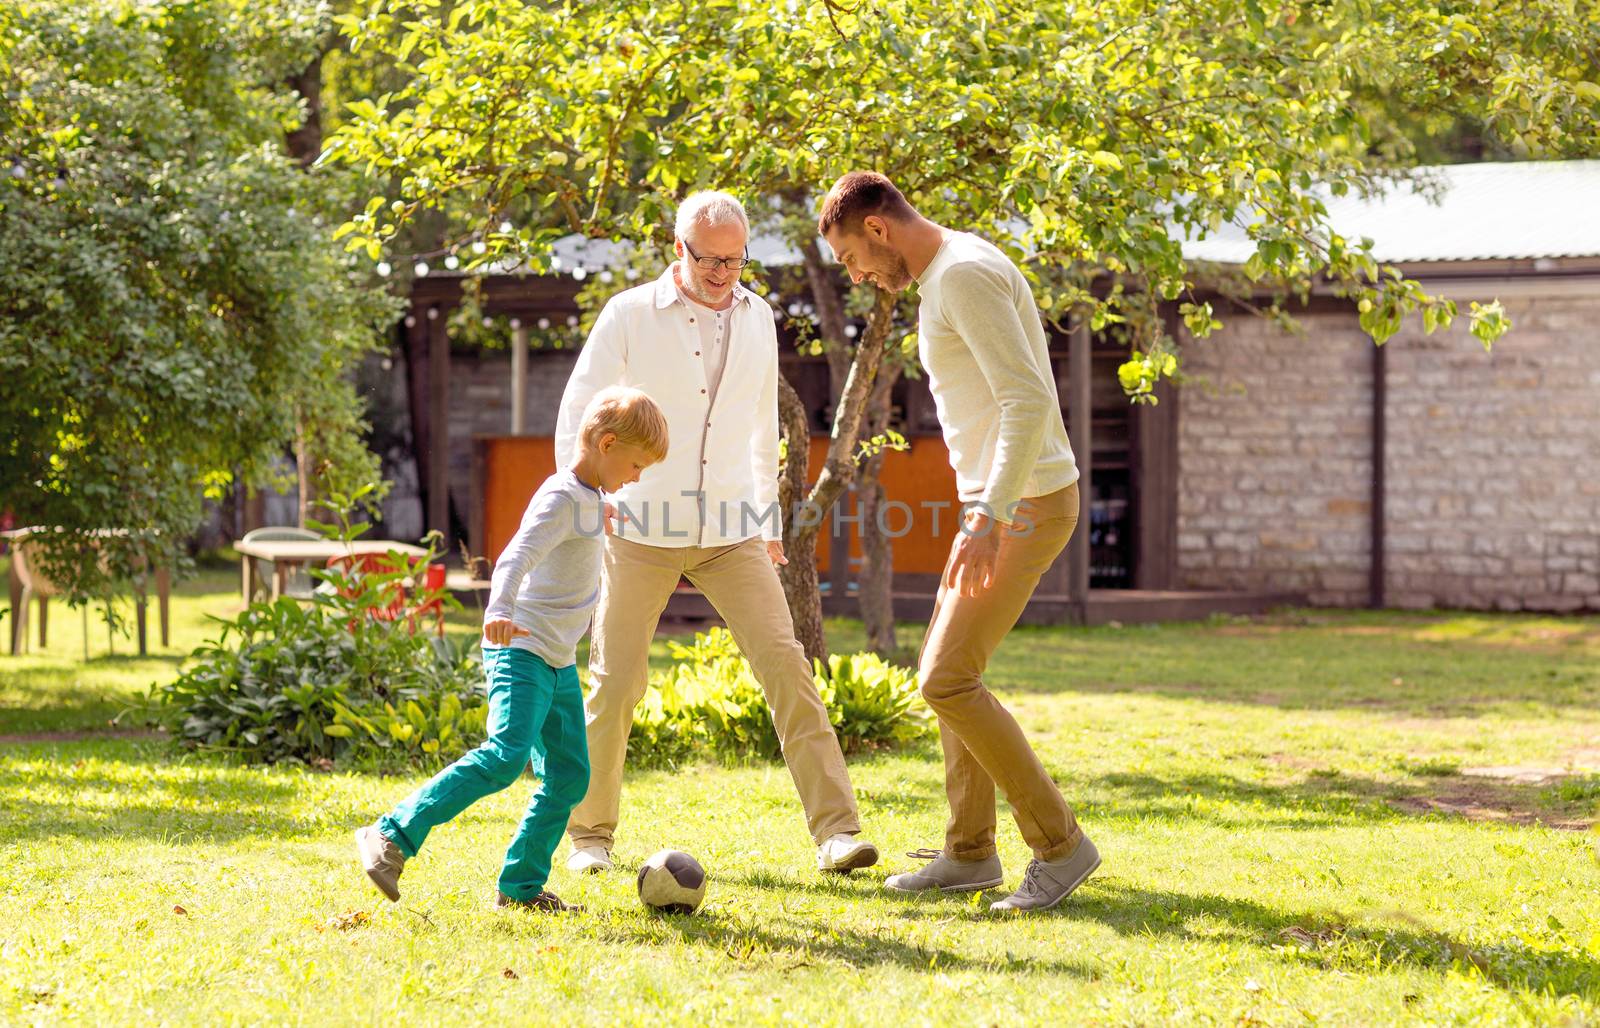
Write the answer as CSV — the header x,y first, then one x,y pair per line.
x,y
1292,811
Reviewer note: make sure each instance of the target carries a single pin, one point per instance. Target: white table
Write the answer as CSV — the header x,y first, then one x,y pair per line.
x,y
285,553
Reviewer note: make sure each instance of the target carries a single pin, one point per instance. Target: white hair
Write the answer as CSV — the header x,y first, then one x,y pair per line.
x,y
710,208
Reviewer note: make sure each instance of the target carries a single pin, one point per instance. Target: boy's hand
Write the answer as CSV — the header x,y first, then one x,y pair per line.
x,y
611,520
501,632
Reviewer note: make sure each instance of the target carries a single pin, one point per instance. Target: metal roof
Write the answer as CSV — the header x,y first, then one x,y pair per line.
x,y
1491,211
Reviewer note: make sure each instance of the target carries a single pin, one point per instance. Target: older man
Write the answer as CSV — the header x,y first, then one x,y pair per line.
x,y
705,349
983,346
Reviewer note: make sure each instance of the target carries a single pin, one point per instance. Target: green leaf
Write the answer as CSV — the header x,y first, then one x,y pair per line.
x,y
1106,161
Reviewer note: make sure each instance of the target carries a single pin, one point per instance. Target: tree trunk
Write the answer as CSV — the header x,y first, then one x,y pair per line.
x,y
799,576
304,145
305,142
303,466
875,591
829,299
800,533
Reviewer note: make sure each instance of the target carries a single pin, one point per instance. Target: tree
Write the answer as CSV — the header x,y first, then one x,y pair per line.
x,y
1087,139
173,306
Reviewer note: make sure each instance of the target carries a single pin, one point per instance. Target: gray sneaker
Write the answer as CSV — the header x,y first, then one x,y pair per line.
x,y
1047,882
381,859
947,874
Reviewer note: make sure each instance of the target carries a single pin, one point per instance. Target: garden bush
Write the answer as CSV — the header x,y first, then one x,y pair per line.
x,y
709,704
327,680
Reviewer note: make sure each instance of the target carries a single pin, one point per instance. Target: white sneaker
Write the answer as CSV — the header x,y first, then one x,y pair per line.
x,y
589,860
843,853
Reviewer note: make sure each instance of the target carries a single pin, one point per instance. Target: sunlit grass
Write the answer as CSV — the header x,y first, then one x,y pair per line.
x,y
1305,819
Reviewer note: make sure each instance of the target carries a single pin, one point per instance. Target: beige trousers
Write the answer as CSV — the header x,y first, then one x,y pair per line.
x,y
743,586
983,744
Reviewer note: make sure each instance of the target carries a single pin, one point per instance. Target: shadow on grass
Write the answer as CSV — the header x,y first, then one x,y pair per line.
x,y
163,803
1323,800
789,945
1320,940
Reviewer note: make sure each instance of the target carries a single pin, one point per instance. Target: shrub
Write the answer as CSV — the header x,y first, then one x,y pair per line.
x,y
710,705
330,681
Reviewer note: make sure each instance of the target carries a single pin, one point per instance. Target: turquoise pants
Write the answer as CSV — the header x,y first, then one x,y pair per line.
x,y
535,712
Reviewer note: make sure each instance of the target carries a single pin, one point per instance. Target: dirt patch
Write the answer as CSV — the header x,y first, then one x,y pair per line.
x,y
88,736
1294,760
1509,795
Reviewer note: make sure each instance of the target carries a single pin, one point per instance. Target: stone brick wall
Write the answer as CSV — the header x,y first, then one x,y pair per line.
x,y
1274,459
1493,460
1494,463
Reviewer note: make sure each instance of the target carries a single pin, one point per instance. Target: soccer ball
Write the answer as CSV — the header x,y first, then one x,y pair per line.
x,y
672,882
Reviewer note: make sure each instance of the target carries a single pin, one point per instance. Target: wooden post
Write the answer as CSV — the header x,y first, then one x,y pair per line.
x,y
438,422
519,377
141,621
164,604
19,608
1079,417
1380,403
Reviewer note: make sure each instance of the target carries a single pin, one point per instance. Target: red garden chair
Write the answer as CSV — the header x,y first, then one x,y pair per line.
x,y
399,602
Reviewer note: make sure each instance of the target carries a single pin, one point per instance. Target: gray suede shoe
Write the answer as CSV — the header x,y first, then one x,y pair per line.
x,y
1047,882
381,859
948,874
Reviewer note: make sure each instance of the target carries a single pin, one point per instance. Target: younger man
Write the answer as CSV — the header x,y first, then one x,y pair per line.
x,y
545,586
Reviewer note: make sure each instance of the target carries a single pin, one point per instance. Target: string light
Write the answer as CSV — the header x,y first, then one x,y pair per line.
x,y
580,274
421,270
479,247
544,323
606,277
452,262
384,269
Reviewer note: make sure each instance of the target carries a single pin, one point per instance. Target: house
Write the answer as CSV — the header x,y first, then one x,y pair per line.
x,y
1308,466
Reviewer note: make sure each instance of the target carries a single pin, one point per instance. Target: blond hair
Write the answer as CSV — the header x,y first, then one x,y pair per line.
x,y
629,415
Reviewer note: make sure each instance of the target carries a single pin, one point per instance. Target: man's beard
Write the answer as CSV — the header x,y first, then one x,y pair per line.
x,y
896,277
692,286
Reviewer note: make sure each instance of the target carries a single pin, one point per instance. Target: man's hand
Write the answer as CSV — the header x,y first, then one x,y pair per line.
x,y
775,553
977,552
502,631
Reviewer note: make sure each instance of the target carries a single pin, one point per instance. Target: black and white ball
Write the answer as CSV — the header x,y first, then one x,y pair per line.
x,y
672,882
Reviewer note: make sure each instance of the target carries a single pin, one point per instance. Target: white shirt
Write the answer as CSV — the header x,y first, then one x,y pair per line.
x,y
719,483
714,326
983,345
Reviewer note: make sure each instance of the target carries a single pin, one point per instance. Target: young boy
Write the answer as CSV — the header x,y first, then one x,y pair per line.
x,y
545,587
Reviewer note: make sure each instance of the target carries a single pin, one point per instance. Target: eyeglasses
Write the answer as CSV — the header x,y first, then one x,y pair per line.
x,y
712,263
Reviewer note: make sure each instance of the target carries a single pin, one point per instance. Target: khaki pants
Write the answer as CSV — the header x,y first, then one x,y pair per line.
x,y
983,744
743,586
